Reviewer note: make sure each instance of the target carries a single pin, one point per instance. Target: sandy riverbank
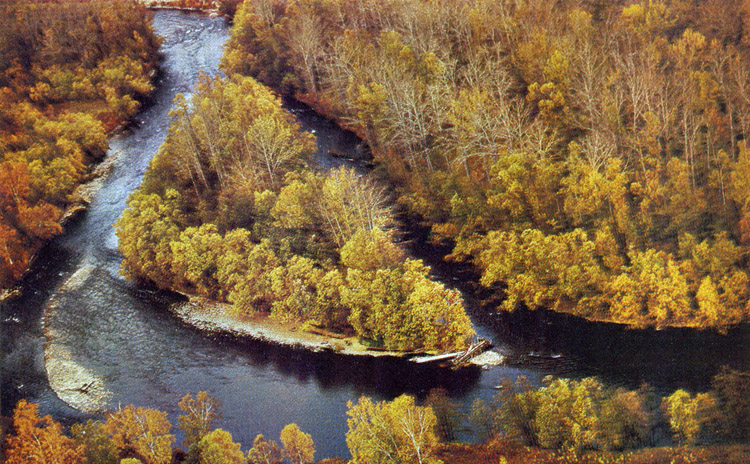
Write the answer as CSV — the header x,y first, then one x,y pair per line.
x,y
215,317
79,386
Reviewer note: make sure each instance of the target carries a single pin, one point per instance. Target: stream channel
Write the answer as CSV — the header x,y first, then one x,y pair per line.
x,y
143,355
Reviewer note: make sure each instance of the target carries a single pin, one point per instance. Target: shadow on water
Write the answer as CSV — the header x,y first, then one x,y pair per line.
x,y
565,345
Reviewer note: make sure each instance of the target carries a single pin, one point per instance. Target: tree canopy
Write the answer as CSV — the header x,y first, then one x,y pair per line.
x,y
584,156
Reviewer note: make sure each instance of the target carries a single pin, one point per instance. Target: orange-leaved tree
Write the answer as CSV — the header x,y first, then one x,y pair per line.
x,y
39,440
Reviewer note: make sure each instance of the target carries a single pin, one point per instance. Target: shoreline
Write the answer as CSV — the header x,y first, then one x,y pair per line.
x,y
81,198
215,318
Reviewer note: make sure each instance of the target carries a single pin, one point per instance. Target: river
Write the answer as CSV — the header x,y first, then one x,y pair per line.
x,y
123,335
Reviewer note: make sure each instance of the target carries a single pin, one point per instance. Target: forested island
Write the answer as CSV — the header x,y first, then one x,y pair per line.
x,y
585,157
70,74
228,210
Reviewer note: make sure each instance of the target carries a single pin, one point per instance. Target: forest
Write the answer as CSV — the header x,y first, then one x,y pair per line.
x,y
70,73
587,157
566,421
230,209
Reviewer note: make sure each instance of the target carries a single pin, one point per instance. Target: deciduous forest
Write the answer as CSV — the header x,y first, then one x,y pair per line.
x,y
586,157
70,72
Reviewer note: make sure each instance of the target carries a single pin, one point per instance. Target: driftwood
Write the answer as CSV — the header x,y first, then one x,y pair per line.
x,y
325,333
84,388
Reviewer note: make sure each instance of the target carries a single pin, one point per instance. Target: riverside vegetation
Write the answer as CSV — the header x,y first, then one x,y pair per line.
x,y
567,421
70,73
587,157
229,210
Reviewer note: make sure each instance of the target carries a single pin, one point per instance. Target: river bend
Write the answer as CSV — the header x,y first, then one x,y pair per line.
x,y
122,336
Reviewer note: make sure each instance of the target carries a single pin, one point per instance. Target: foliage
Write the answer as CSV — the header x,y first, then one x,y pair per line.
x,y
264,452
39,440
583,156
199,414
143,431
298,445
217,447
575,415
446,412
71,71
98,445
397,432
227,210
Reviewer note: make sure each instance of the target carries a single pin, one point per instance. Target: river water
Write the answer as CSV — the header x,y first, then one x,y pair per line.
x,y
145,356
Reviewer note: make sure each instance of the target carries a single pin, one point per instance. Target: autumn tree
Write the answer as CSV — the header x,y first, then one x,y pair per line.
x,y
446,413
199,414
264,452
298,445
398,431
40,440
74,71
143,431
217,447
99,447
145,231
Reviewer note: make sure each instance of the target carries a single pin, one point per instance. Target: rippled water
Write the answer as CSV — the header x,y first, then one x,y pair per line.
x,y
147,357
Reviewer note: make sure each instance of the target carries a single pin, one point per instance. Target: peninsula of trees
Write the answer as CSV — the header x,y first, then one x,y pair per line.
x,y
70,72
587,157
228,210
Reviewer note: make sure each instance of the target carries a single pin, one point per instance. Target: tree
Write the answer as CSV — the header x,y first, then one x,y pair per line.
x,y
195,255
199,414
370,250
99,446
40,440
143,431
145,231
732,389
403,309
264,452
681,409
391,432
298,446
217,447
482,418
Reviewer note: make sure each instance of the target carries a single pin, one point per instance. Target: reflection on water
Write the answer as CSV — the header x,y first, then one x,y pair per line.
x,y
147,357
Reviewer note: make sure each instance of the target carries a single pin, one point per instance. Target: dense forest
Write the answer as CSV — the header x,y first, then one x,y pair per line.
x,y
70,72
563,422
229,209
587,157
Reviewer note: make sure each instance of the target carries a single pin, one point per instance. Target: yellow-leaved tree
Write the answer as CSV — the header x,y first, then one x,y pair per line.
x,y
391,432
